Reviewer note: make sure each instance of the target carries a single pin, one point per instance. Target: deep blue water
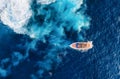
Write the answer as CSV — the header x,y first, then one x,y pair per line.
x,y
101,62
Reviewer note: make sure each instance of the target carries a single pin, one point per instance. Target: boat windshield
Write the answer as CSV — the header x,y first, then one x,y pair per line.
x,y
81,45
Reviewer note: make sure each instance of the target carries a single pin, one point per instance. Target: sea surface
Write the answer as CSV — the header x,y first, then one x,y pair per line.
x,y
35,44
103,61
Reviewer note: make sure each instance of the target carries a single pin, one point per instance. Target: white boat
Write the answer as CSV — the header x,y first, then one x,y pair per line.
x,y
82,46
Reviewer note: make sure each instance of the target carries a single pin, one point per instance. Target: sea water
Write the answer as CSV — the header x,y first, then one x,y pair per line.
x,y
35,35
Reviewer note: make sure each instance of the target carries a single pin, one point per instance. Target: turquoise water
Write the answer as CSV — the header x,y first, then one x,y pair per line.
x,y
36,53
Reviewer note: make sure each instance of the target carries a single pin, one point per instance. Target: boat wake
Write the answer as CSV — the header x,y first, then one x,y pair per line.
x,y
49,27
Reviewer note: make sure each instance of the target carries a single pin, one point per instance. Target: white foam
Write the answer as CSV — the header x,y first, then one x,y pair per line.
x,y
45,1
77,3
15,14
2,4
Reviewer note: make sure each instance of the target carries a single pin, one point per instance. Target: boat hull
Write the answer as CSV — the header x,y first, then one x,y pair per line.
x,y
82,46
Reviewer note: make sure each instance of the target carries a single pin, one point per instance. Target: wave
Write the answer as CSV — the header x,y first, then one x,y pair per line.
x,y
15,14
51,26
45,1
